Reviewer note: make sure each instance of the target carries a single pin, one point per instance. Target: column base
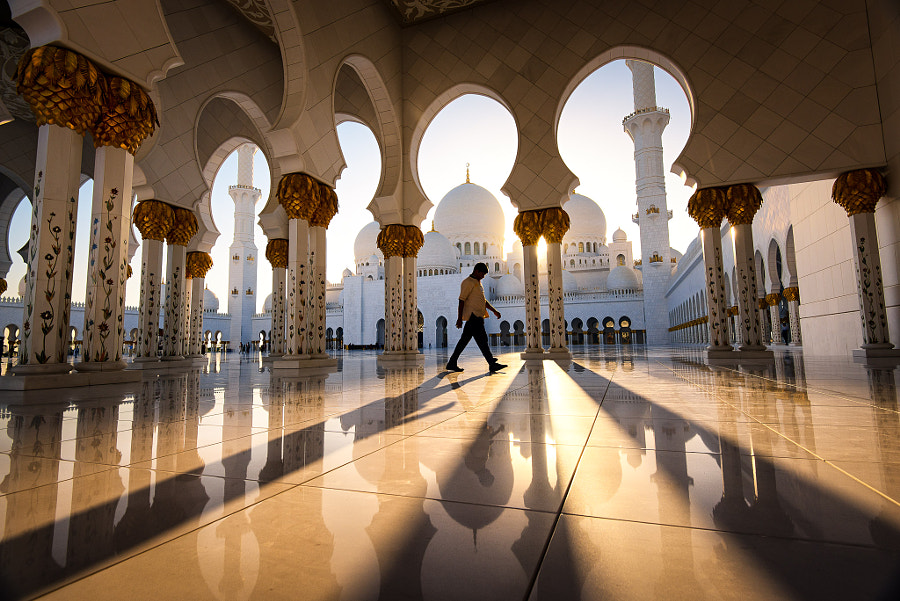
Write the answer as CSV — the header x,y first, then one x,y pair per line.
x,y
173,358
272,357
400,358
533,354
739,357
41,369
94,366
877,357
558,354
43,381
162,367
303,362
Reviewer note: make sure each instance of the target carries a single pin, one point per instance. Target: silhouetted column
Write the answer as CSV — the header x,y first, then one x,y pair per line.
x,y
528,227
744,201
326,209
555,222
277,254
198,264
707,207
153,219
391,241
179,236
792,296
772,300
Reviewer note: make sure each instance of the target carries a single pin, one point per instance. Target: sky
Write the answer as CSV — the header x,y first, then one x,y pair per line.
x,y
472,129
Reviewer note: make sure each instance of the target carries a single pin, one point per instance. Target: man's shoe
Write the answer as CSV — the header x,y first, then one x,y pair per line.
x,y
497,366
455,368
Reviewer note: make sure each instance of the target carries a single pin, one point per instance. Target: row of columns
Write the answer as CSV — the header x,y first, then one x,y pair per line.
x,y
551,223
400,245
71,97
858,193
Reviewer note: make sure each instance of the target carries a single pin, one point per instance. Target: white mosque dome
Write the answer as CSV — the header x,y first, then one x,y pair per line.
x,y
586,218
570,284
210,302
437,251
267,304
509,285
622,278
366,242
22,287
619,235
470,211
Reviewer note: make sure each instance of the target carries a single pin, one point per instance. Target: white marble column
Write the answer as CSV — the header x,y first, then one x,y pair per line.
x,y
410,306
751,335
772,300
279,275
870,289
717,310
532,300
317,301
173,320
296,338
198,290
104,312
393,304
555,300
792,295
151,279
48,283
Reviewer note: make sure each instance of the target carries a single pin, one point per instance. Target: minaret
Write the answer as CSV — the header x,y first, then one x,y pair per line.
x,y
645,126
242,266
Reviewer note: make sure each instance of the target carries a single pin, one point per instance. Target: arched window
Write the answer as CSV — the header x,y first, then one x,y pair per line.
x,y
496,266
477,249
459,247
595,247
620,260
468,248
572,262
484,247
566,248
581,247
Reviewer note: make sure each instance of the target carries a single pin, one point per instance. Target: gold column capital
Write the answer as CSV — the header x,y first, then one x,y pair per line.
x,y
707,207
62,87
772,299
129,117
2,285
762,303
327,207
744,201
299,194
791,294
555,224
183,228
277,252
858,191
129,272
528,226
153,219
396,240
197,264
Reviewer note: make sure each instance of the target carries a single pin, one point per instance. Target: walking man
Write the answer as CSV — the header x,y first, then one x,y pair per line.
x,y
473,308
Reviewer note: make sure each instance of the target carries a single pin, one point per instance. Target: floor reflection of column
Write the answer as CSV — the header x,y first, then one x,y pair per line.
x,y
95,488
27,560
274,466
883,390
135,524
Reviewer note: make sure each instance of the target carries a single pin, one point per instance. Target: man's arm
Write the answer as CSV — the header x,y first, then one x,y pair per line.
x,y
491,308
459,315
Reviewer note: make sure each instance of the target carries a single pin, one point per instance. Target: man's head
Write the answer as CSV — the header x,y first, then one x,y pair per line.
x,y
479,271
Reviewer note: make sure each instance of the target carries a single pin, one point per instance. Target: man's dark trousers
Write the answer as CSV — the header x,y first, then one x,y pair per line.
x,y
474,328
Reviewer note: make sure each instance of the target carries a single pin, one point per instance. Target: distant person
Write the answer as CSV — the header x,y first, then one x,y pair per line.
x,y
473,307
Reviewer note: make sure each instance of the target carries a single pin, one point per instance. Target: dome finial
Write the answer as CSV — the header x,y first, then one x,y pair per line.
x,y
467,174
432,226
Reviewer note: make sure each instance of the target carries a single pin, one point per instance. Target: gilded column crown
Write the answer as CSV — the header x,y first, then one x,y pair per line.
x,y
299,194
772,299
326,209
184,227
528,226
707,207
392,240
555,222
2,285
277,252
413,241
858,191
129,118
62,87
744,201
153,219
791,294
197,264
761,303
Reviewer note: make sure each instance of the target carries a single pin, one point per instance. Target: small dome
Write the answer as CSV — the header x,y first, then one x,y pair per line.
x,y
267,304
22,287
570,284
346,274
365,244
436,252
469,211
509,285
619,235
622,278
210,302
585,216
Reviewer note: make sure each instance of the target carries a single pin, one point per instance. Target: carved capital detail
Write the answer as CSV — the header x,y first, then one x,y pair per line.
x,y
555,222
299,194
529,226
743,201
2,286
183,228
773,299
791,294
858,191
398,240
197,264
277,252
707,207
129,117
153,219
326,209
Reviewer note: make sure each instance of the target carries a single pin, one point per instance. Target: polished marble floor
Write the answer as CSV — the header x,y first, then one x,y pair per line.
x,y
628,473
